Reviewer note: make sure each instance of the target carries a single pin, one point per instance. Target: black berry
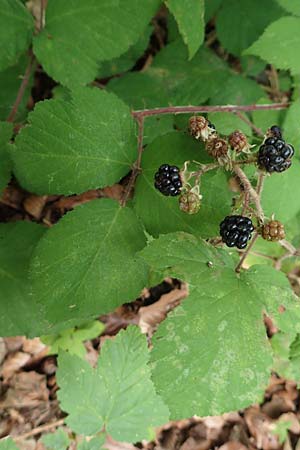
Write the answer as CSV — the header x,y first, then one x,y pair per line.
x,y
275,131
167,180
236,231
275,155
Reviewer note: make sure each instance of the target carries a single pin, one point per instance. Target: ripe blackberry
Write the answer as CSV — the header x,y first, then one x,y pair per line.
x,y
273,231
275,131
236,231
275,155
167,180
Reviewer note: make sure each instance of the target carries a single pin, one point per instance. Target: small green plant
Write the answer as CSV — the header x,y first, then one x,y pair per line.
x,y
210,199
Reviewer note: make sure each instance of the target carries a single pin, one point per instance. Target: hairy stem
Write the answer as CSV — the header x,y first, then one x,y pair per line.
x,y
252,193
22,88
207,108
246,252
260,183
136,169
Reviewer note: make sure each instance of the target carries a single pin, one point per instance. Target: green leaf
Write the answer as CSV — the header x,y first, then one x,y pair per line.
x,y
239,90
211,8
164,215
285,204
86,264
292,6
16,28
291,127
294,357
19,314
10,80
140,91
95,443
189,16
72,146
8,444
107,29
118,394
128,59
265,119
6,131
215,343
59,440
245,23
279,44
71,339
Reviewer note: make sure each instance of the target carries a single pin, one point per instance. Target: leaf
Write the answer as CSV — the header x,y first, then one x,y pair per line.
x,y
128,59
16,28
291,126
118,394
163,215
6,131
71,339
279,44
189,16
59,440
245,23
265,119
19,314
294,357
95,443
86,264
10,80
291,6
215,343
211,8
72,146
8,444
107,29
285,204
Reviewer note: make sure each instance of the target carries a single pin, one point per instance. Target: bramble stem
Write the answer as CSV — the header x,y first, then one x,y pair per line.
x,y
260,183
22,88
248,188
245,119
246,252
136,168
207,108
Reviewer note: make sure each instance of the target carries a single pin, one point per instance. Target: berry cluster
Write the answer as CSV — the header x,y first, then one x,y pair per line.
x,y
275,155
236,231
273,231
167,180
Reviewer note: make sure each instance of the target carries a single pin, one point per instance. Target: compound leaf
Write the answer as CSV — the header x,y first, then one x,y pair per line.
x,y
215,343
164,215
107,29
189,16
279,44
19,314
16,28
86,265
72,146
118,394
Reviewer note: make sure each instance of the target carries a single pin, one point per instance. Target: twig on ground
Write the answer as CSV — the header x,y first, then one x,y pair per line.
x,y
38,430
